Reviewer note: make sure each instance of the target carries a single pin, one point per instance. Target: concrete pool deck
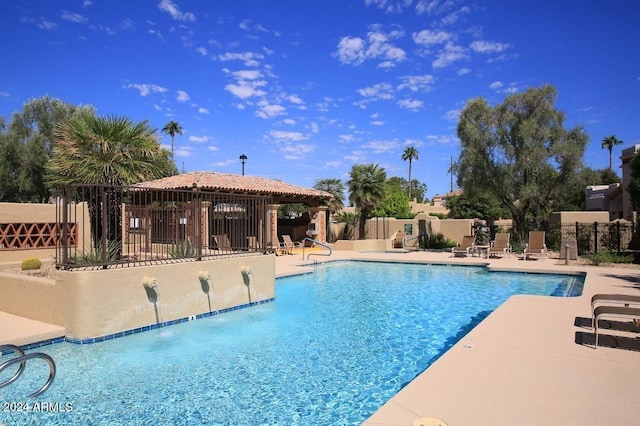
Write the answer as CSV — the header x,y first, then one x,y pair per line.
x,y
531,362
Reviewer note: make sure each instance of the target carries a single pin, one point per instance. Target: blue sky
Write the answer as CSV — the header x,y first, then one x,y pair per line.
x,y
306,89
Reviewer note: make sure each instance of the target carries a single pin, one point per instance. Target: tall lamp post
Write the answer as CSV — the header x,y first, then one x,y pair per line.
x,y
243,159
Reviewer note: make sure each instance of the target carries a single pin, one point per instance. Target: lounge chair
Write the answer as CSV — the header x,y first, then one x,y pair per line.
x,y
501,245
536,245
252,241
618,312
616,299
288,244
398,241
223,243
465,248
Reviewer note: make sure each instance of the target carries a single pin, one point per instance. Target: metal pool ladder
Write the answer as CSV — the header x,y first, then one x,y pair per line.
x,y
318,243
22,359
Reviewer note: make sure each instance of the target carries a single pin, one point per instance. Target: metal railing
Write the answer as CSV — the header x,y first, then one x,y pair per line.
x,y
592,237
327,246
22,359
118,226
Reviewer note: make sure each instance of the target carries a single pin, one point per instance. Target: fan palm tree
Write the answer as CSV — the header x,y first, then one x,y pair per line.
x,y
171,128
410,153
106,150
608,143
366,190
336,188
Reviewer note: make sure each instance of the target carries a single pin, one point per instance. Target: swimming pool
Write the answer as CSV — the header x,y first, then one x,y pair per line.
x,y
331,349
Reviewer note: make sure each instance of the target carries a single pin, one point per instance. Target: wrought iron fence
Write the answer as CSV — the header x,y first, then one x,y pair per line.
x,y
592,237
117,226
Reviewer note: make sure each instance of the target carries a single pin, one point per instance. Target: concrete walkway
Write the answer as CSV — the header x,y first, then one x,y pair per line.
x,y
22,331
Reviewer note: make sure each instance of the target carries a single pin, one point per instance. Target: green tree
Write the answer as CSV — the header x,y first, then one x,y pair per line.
x,y
481,206
520,152
366,190
395,203
172,128
410,153
106,150
336,188
418,189
609,142
26,144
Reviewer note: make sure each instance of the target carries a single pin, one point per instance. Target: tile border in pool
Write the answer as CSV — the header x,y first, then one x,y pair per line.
x,y
138,329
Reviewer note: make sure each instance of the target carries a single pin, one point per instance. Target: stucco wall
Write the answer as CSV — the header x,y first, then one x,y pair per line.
x,y
363,245
580,217
29,297
103,302
39,213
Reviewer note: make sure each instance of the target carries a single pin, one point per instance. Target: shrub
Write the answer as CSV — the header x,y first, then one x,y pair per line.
x,y
183,248
609,257
30,264
437,241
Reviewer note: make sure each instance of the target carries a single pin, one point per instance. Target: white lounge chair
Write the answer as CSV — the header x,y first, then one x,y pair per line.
x,y
615,299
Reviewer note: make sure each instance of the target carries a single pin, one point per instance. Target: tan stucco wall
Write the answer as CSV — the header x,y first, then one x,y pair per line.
x,y
580,217
103,302
29,297
363,245
39,213
455,229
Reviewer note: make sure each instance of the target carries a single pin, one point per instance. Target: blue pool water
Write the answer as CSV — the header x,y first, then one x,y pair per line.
x,y
333,347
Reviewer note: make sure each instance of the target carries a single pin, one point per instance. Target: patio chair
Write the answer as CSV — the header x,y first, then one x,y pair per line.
x,y
615,299
501,245
223,243
288,244
252,241
617,312
465,248
398,241
536,245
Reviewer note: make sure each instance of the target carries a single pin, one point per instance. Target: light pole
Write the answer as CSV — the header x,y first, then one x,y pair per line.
x,y
243,159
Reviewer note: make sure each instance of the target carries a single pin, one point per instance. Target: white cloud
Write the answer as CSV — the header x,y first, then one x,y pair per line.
x,y
268,110
496,85
453,17
463,71
416,83
355,50
213,148
201,50
289,121
378,91
334,163
198,139
294,99
480,46
314,127
47,25
427,37
449,55
297,152
346,138
379,147
247,74
224,163
288,136
410,104
452,115
146,89
250,59
182,96
172,9
74,17
202,110
244,90
390,6
377,123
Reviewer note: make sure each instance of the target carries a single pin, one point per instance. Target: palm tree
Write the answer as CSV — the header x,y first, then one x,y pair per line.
x,y
106,150
171,128
410,153
608,143
366,190
336,188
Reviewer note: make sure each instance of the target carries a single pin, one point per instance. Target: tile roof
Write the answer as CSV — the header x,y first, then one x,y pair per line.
x,y
225,182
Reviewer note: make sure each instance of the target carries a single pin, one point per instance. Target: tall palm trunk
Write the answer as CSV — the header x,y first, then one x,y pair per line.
x,y
409,179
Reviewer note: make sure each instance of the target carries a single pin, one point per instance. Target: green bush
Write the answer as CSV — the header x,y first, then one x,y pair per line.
x,y
609,257
440,216
183,248
30,264
437,241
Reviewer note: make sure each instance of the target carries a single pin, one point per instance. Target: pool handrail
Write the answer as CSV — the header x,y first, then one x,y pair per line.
x,y
22,359
318,243
405,239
